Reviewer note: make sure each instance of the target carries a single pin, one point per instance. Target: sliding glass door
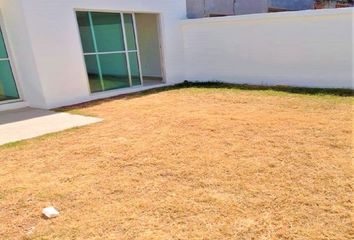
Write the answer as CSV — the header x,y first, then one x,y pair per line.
x,y
110,50
8,89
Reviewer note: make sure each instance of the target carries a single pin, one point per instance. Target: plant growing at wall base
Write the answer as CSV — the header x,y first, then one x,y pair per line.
x,y
327,3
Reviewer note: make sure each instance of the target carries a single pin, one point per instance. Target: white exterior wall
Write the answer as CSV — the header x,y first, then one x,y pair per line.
x,y
21,56
47,46
307,48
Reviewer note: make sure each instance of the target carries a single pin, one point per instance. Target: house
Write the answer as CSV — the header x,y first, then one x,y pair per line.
x,y
56,53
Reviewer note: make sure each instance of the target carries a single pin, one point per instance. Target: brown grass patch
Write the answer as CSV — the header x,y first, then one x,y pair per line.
x,y
188,164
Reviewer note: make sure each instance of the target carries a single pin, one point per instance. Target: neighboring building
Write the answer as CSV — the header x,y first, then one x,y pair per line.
x,y
207,8
290,5
250,6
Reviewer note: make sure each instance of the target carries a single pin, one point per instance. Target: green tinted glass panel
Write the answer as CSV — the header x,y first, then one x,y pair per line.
x,y
102,33
85,32
93,73
108,32
3,53
129,31
134,68
8,89
114,70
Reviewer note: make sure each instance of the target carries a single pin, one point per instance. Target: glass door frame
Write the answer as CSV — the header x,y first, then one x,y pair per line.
x,y
126,51
12,65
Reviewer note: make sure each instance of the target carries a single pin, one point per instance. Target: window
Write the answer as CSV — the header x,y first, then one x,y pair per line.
x,y
110,49
8,89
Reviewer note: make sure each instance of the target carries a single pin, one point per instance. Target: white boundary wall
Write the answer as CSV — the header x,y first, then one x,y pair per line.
x,y
306,48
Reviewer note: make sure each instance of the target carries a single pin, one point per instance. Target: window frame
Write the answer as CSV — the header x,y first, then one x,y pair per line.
x,y
10,59
126,51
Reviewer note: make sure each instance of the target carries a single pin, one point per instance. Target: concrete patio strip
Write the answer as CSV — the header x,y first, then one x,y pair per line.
x,y
28,123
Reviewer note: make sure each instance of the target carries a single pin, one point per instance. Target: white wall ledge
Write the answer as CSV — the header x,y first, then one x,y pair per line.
x,y
13,106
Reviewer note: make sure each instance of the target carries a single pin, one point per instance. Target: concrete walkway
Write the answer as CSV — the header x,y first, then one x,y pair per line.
x,y
28,123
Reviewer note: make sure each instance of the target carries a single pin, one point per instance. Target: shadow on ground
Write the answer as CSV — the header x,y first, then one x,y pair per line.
x,y
19,115
280,88
219,85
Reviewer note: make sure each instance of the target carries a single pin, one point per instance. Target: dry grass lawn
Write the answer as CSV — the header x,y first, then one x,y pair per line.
x,y
188,163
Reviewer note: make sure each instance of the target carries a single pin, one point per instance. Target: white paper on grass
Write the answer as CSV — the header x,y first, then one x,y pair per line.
x,y
50,212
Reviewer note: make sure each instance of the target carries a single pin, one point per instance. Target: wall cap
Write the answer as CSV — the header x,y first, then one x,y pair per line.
x,y
272,16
